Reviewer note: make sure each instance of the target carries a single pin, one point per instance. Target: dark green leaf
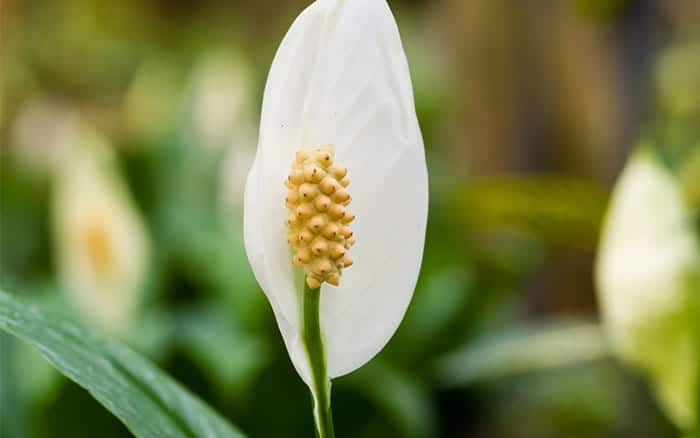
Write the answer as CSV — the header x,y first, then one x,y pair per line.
x,y
402,398
204,330
11,407
149,402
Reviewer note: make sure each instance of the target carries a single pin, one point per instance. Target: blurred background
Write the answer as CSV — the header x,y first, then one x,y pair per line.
x,y
126,132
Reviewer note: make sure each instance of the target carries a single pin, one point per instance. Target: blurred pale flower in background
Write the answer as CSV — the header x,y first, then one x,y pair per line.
x,y
41,134
221,98
222,114
100,239
234,170
648,278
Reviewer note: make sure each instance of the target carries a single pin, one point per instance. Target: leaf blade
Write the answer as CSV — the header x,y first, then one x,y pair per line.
x,y
146,400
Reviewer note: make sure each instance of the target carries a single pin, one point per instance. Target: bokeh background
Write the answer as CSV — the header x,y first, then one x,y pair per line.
x,y
149,110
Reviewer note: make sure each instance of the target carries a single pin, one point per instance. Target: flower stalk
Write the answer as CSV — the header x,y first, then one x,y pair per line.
x,y
320,384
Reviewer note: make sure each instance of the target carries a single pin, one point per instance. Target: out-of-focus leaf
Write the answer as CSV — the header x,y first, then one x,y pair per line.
x,y
678,81
153,100
558,210
217,256
690,178
400,396
152,333
232,356
602,10
146,400
521,350
38,381
23,215
438,302
191,226
589,401
11,415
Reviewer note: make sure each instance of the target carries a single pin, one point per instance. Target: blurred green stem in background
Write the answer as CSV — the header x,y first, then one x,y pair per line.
x,y
523,349
320,384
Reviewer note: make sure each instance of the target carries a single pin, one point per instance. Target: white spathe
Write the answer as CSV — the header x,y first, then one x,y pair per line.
x,y
340,77
647,279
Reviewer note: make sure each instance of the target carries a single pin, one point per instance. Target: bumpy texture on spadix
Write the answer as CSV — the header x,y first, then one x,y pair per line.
x,y
318,221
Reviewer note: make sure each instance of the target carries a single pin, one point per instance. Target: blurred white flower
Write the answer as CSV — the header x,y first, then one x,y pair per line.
x,y
221,116
234,170
338,90
648,279
221,98
101,242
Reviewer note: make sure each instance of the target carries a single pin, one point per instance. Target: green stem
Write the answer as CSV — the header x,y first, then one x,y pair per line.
x,y
320,383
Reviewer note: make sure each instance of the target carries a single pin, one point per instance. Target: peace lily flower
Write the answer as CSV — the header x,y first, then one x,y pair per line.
x,y
336,200
648,278
101,242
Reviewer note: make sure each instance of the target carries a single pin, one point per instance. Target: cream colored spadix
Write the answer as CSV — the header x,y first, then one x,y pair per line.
x,y
339,78
648,279
318,220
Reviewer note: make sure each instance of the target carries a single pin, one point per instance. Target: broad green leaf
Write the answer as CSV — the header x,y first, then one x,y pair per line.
x,y
521,350
144,398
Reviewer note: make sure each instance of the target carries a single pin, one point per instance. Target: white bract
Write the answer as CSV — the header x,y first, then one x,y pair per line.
x,y
647,277
340,78
101,242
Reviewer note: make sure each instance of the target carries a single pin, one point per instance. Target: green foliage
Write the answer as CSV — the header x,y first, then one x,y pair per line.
x,y
403,398
474,354
557,210
538,347
204,332
601,10
11,415
146,400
